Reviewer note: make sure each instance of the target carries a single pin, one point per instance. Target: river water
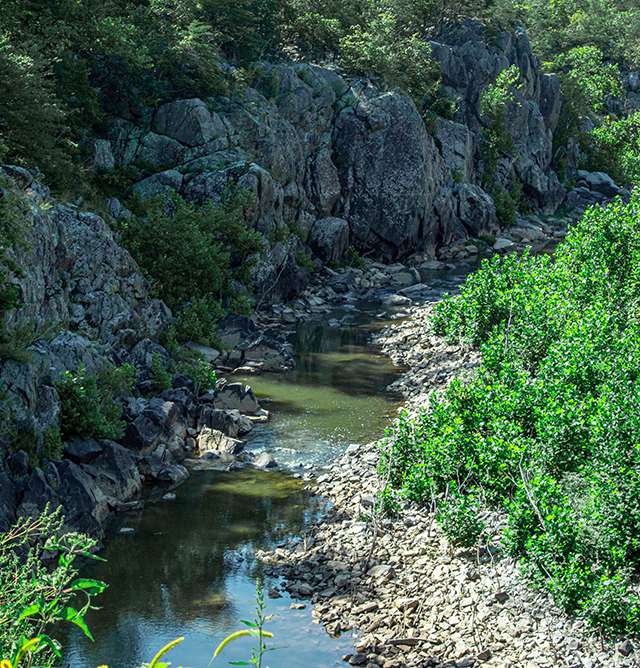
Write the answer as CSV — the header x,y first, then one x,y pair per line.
x,y
184,567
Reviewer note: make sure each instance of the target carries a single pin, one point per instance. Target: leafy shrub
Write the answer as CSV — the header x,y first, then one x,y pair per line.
x,y
505,207
52,445
193,255
160,377
459,520
88,406
200,372
496,139
34,596
547,428
304,260
353,259
614,148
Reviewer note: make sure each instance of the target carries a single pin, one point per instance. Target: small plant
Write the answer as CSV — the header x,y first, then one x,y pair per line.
x,y
160,377
353,259
280,235
200,372
34,596
52,445
88,408
304,260
459,520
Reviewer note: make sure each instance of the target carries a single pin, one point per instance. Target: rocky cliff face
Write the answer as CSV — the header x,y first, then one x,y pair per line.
x,y
313,146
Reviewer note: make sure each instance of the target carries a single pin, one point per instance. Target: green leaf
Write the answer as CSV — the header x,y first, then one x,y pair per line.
x,y
239,663
251,624
72,615
52,644
28,611
94,586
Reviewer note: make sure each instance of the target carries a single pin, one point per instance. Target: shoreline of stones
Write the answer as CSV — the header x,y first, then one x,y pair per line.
x,y
413,598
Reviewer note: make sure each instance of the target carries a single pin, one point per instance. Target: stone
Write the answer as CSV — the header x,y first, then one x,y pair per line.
x,y
235,396
267,350
142,435
174,474
18,463
189,122
485,655
36,496
396,300
274,593
476,209
117,473
404,604
406,277
503,244
264,461
209,354
233,329
212,439
82,452
357,659
297,606
330,238
550,100
382,570
84,503
625,648
603,184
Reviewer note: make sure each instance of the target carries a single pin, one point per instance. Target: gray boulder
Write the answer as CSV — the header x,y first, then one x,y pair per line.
x,y
330,238
116,472
550,100
233,329
84,504
236,396
36,496
189,122
211,439
603,184
476,209
82,452
264,461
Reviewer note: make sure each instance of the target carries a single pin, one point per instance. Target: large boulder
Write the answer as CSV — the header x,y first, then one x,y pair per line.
x,y
550,100
189,122
211,439
36,496
476,209
236,396
390,172
84,504
115,472
330,238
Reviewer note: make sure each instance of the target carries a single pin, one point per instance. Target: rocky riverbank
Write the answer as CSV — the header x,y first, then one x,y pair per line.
x,y
416,600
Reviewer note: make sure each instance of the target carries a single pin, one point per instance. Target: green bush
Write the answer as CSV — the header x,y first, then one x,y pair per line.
x,y
193,256
505,207
200,372
547,428
160,377
353,259
459,520
88,406
52,445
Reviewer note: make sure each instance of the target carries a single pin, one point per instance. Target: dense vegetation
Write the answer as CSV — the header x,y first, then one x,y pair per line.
x,y
548,429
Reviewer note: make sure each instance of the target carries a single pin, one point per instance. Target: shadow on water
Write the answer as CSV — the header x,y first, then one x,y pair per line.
x,y
187,568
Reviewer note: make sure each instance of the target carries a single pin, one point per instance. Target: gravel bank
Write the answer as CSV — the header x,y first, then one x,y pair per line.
x,y
415,599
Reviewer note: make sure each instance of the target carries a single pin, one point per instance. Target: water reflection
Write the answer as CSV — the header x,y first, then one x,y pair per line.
x,y
187,568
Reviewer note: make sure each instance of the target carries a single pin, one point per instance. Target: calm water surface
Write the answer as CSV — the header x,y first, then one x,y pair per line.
x,y
187,569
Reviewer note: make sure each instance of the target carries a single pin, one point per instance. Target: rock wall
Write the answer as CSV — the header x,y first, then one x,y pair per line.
x,y
313,146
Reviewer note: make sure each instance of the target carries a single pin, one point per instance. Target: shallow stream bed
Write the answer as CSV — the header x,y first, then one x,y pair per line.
x,y
184,567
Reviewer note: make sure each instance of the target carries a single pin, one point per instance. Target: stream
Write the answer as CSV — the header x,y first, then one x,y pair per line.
x,y
184,567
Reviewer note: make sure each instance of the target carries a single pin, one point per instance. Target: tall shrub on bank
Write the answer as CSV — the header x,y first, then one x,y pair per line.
x,y
197,257
548,429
